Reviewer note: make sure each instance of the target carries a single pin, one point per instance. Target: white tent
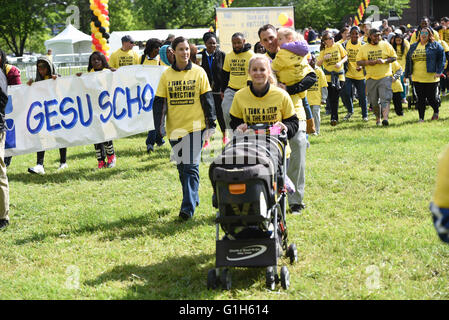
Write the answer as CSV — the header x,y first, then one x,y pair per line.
x,y
70,41
115,41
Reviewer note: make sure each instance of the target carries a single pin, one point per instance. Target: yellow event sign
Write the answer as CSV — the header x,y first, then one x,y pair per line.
x,y
248,21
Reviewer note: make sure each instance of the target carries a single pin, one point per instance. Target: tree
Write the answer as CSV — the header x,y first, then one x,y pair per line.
x,y
163,14
123,15
19,19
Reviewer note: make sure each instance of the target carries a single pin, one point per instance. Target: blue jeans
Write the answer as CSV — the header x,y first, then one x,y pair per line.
x,y
346,95
187,154
307,108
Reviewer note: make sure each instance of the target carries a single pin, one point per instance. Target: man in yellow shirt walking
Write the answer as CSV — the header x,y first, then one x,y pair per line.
x,y
354,76
125,56
376,56
235,71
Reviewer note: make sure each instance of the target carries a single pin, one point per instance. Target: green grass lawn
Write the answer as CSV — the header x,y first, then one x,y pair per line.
x,y
366,233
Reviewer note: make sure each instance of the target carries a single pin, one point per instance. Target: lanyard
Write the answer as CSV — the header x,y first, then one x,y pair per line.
x,y
210,59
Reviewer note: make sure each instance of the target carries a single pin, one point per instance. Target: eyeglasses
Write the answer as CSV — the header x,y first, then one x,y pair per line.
x,y
424,33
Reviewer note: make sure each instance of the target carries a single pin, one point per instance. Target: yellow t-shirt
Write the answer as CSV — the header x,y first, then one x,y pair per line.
x,y
402,55
122,58
446,49
291,68
182,90
441,194
414,39
274,106
445,36
150,62
352,50
237,66
337,53
420,73
314,92
382,50
396,86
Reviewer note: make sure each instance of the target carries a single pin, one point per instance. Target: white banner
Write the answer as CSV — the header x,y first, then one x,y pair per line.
x,y
73,111
248,21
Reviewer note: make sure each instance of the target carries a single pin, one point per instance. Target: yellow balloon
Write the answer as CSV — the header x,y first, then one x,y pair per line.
x,y
104,1
102,17
105,24
283,18
98,35
103,41
91,1
94,48
97,12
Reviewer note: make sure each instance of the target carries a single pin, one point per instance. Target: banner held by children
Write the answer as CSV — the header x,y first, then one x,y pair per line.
x,y
73,111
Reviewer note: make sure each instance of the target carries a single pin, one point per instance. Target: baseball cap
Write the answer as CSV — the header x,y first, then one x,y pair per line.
x,y
127,38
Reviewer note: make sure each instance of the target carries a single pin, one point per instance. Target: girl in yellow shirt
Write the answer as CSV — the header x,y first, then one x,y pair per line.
x,y
149,58
332,57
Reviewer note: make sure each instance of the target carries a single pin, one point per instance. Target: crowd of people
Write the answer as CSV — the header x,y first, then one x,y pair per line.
x,y
280,79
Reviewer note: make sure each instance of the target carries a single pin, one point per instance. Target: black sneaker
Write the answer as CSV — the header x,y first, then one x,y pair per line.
x,y
385,123
3,224
184,216
296,209
150,148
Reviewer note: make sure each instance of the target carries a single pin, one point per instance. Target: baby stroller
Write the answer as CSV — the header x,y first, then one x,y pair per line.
x,y
248,180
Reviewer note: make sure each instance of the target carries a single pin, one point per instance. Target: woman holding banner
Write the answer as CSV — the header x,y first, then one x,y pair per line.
x,y
46,70
185,97
13,77
98,62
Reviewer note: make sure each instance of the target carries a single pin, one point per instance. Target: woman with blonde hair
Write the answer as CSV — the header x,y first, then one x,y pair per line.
x,y
263,102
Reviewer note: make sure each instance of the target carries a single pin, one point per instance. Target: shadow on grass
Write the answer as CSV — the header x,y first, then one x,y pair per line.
x,y
160,158
125,228
183,277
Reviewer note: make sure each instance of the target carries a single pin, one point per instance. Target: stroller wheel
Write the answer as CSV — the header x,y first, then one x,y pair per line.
x,y
292,253
285,278
270,278
212,279
225,279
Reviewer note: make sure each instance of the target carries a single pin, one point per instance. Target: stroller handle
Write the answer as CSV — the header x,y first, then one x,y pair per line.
x,y
268,129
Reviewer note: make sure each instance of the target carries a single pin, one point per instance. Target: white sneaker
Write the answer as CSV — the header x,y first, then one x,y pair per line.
x,y
366,119
38,169
62,166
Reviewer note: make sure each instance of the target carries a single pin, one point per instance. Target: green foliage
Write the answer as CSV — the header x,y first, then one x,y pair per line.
x,y
22,19
162,14
321,14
